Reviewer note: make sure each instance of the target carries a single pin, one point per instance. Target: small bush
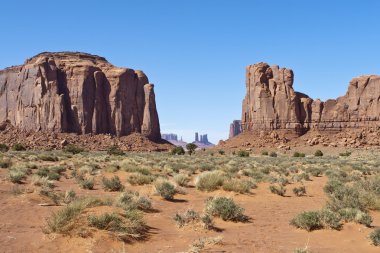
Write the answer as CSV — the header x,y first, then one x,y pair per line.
x,y
3,148
115,150
347,153
48,158
41,181
309,221
71,148
125,228
221,152
225,208
265,153
18,147
5,163
355,215
299,191
330,219
165,189
140,179
302,250
318,153
87,183
279,190
114,184
178,151
313,220
375,237
236,185
191,147
273,154
181,179
17,175
242,153
190,216
316,172
298,154
132,200
209,181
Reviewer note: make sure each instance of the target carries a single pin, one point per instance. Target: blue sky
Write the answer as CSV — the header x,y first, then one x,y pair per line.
x,y
195,52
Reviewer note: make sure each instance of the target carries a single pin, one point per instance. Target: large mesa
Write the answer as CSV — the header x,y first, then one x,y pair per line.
x,y
74,92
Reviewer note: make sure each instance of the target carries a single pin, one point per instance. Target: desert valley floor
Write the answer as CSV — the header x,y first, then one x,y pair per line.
x,y
55,201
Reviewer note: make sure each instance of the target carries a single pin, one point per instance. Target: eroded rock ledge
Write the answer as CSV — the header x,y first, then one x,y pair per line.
x,y
74,92
271,103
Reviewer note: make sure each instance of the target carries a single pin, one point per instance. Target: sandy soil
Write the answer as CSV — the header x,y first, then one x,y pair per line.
x,y
267,231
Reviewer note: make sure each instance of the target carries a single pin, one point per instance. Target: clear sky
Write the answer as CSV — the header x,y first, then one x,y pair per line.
x,y
195,52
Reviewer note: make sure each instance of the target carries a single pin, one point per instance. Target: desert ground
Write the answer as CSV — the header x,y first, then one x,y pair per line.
x,y
212,201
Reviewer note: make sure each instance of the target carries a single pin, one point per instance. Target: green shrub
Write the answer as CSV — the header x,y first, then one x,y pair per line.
x,y
5,163
330,219
63,220
190,216
273,154
265,153
279,190
17,175
242,153
355,215
315,172
132,200
313,220
71,148
191,147
209,181
3,148
178,151
115,150
48,158
236,185
309,220
298,154
375,237
221,152
225,208
302,250
165,189
347,153
139,179
114,184
299,191
181,179
124,228
318,153
207,221
18,147
87,183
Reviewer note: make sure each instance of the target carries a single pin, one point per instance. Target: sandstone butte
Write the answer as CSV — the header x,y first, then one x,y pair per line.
x,y
72,92
271,103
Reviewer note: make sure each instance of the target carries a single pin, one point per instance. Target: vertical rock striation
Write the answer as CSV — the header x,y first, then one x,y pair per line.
x,y
78,93
271,103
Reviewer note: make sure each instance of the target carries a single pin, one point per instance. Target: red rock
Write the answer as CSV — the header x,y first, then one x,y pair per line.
x,y
78,93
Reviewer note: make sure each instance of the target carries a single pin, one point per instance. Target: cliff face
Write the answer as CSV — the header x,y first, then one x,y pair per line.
x,y
79,93
271,103
235,128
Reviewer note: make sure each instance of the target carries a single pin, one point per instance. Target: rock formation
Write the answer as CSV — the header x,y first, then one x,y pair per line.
x,y
271,103
235,128
169,137
78,93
